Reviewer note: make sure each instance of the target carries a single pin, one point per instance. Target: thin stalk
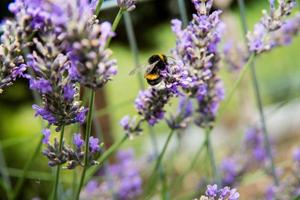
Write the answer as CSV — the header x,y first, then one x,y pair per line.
x,y
133,47
135,53
182,11
211,156
264,126
74,173
5,175
105,156
87,136
153,178
178,181
26,168
34,175
165,192
58,166
98,8
259,99
234,88
116,23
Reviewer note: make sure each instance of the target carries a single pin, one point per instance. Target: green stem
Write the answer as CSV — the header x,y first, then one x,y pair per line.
x,y
116,23
211,156
153,177
5,175
98,8
164,193
26,168
135,52
182,11
87,136
105,156
234,88
178,181
258,98
61,140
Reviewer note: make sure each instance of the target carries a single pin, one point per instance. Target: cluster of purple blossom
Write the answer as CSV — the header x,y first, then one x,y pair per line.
x,y
192,73
124,176
61,44
196,47
58,46
273,29
213,193
70,157
253,156
235,56
150,103
290,185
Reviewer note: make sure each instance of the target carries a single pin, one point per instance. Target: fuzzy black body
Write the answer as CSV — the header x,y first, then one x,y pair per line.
x,y
160,60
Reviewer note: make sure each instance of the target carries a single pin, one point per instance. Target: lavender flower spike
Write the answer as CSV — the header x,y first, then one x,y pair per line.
x,y
197,48
261,39
127,5
125,177
95,68
12,63
213,193
51,79
70,157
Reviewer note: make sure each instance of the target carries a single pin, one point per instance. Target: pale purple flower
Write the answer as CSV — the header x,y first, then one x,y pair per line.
x,y
69,92
212,190
81,115
254,142
44,113
91,186
94,144
213,193
131,126
47,134
230,171
42,85
125,122
77,140
296,155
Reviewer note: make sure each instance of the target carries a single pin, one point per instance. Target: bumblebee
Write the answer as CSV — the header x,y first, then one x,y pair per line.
x,y
157,62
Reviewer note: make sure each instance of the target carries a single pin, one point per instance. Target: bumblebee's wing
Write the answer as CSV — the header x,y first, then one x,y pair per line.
x,y
132,72
148,68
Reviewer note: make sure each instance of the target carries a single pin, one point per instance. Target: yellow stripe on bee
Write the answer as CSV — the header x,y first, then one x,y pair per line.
x,y
151,76
160,56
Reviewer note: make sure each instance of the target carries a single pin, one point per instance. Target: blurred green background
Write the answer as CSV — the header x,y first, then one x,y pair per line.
x,y
278,74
